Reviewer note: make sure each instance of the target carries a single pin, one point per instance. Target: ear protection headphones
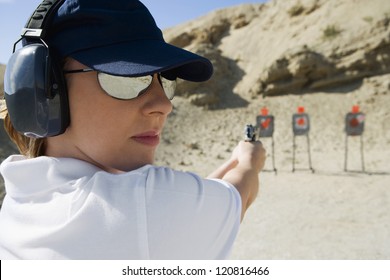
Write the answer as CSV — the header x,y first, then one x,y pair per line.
x,y
34,85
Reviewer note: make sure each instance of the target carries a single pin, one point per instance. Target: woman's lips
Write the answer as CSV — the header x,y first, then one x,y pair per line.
x,y
150,138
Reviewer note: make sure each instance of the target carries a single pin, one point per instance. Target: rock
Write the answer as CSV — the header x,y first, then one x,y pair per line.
x,y
274,48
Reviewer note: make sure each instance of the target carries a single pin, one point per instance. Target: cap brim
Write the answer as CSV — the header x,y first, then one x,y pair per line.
x,y
146,57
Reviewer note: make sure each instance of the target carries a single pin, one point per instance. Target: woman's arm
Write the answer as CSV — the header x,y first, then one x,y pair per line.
x,y
242,171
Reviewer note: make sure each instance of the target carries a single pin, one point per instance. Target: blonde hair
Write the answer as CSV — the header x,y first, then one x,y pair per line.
x,y
29,147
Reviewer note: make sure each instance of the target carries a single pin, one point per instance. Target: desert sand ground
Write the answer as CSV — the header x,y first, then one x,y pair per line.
x,y
328,214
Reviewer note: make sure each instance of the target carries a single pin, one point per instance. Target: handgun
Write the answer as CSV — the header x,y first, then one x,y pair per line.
x,y
250,133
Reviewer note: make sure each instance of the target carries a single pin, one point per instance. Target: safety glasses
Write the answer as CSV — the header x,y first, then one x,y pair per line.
x,y
126,88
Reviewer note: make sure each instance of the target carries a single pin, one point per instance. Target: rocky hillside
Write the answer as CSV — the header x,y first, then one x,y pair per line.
x,y
286,47
283,47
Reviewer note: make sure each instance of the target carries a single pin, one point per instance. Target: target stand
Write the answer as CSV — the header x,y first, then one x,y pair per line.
x,y
265,125
354,127
301,127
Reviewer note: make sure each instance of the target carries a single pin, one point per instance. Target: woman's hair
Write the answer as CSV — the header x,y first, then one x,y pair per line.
x,y
30,147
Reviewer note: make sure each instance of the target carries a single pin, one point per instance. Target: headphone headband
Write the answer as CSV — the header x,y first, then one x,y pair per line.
x,y
34,27
43,13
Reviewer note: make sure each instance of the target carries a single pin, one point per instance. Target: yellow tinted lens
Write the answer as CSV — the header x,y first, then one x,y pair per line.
x,y
124,87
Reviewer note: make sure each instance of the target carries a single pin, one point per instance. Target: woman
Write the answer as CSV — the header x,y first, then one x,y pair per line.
x,y
87,189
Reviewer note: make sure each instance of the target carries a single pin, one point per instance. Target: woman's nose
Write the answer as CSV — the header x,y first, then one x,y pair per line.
x,y
156,101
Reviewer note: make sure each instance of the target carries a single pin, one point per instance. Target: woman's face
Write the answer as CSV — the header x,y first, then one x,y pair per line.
x,y
115,135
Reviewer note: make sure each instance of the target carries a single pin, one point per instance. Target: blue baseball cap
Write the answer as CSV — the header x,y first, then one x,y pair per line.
x,y
120,37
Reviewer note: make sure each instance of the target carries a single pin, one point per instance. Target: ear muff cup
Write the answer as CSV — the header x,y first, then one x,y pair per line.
x,y
34,86
35,92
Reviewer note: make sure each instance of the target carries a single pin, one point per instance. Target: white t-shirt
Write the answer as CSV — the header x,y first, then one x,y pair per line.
x,y
62,208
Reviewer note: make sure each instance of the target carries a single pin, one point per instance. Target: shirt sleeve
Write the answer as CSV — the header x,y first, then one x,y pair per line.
x,y
189,217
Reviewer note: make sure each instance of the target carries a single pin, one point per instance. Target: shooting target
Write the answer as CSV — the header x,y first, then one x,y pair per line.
x,y
301,124
265,124
354,124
